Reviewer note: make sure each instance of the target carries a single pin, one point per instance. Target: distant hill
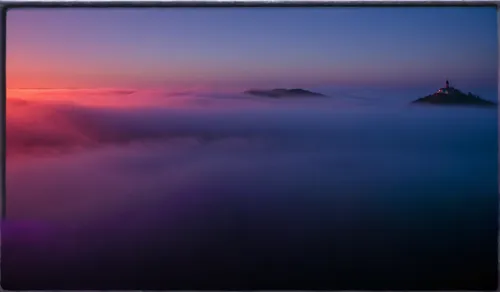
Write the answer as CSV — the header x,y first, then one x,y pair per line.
x,y
281,92
452,96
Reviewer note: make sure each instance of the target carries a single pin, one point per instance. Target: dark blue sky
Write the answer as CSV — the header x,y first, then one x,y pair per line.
x,y
146,47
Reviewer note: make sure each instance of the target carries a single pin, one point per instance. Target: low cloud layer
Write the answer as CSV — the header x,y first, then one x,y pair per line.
x,y
204,178
68,160
35,125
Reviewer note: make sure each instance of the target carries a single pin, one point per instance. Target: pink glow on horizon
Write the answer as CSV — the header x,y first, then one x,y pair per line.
x,y
114,97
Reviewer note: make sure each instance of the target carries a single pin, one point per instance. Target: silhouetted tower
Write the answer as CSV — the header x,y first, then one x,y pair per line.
x,y
447,84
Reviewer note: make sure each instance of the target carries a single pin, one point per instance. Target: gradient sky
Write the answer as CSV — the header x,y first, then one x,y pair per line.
x,y
153,47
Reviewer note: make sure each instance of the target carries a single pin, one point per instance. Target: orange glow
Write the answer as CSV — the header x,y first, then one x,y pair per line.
x,y
113,97
103,97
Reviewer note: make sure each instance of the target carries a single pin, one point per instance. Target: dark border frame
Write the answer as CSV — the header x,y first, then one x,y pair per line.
x,y
257,3
3,110
6,5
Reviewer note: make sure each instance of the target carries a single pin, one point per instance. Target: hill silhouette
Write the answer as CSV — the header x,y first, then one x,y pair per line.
x,y
281,92
451,96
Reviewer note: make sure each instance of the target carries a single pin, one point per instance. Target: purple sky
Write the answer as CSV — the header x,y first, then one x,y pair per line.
x,y
241,47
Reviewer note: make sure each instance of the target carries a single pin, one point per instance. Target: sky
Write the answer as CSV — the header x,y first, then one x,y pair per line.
x,y
250,47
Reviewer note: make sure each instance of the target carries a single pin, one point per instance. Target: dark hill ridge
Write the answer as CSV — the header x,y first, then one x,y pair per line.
x,y
281,92
452,96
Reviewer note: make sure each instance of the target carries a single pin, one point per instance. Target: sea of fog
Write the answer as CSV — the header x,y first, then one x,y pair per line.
x,y
191,187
